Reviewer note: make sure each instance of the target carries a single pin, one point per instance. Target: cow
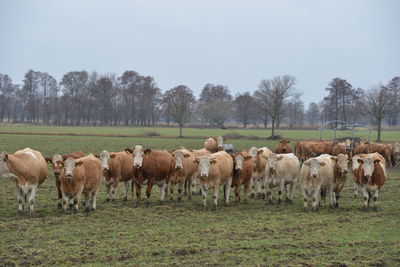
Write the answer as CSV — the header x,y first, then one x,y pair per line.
x,y
369,177
28,169
80,176
57,169
152,167
395,154
196,153
258,176
185,171
315,148
242,173
342,148
283,147
215,170
281,170
213,144
117,167
316,176
340,174
371,147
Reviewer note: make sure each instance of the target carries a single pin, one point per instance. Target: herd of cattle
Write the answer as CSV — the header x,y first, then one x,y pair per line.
x,y
321,165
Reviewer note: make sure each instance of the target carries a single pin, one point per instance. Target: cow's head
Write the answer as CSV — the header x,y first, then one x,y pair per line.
x,y
204,163
272,161
238,159
220,142
342,163
347,144
55,162
396,152
138,153
3,165
285,145
104,158
314,165
68,167
179,156
368,166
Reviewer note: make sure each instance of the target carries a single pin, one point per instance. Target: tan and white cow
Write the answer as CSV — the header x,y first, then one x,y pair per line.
x,y
259,163
215,170
28,169
369,176
80,176
185,171
317,175
117,167
281,171
196,153
213,144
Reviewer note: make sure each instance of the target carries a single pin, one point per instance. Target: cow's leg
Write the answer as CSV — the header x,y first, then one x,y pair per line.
x,y
126,183
180,189
280,190
58,185
77,197
171,190
64,202
237,193
316,198
332,197
20,198
162,191
86,196
261,188
253,184
204,191
193,186
94,199
31,199
305,199
186,185
375,198
227,190
365,198
113,190
246,192
269,193
356,190
189,182
108,192
337,196
148,191
138,193
215,194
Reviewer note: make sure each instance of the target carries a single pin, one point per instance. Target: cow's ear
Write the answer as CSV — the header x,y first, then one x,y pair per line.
x,y
186,155
190,150
196,161
97,156
280,157
172,152
48,160
113,156
247,157
334,159
280,141
60,163
260,151
213,161
128,150
79,163
360,161
288,141
306,163
214,138
223,138
376,161
350,159
147,151
322,164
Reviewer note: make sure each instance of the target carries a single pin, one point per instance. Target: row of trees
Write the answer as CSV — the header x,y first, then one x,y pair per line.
x,y
133,99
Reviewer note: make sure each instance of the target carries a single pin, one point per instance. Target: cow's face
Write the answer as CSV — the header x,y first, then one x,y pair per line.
x,y
220,142
347,143
272,161
314,165
57,166
104,157
239,159
69,166
179,157
396,151
285,145
204,163
342,163
253,154
138,153
355,162
3,165
368,165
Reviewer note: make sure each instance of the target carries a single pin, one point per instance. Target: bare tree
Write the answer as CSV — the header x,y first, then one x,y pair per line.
x,y
244,107
313,113
276,91
295,111
181,104
377,103
394,91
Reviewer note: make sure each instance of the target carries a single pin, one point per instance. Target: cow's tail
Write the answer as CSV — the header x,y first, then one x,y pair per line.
x,y
133,188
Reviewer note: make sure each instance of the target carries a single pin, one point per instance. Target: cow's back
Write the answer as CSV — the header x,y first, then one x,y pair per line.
x,y
123,162
211,145
288,166
158,164
91,172
34,165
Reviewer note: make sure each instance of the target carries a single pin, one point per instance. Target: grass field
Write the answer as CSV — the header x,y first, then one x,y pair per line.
x,y
182,233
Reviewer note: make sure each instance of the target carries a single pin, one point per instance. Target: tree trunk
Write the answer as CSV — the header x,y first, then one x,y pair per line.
x,y
180,130
379,121
273,128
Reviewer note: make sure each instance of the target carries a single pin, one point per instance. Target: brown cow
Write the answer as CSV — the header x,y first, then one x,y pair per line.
x,y
28,169
371,147
57,169
395,154
283,147
213,144
214,170
80,176
117,167
185,171
370,176
340,174
242,173
259,163
151,166
315,148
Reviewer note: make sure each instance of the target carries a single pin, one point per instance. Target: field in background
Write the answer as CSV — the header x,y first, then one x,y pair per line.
x,y
182,233
188,132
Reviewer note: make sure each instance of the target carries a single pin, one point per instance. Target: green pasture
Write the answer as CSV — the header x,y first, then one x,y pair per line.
x,y
181,233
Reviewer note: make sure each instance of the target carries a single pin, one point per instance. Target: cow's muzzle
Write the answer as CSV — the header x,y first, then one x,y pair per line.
x,y
68,176
314,176
177,167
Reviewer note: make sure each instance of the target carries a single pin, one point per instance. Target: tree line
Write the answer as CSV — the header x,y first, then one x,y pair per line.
x,y
83,98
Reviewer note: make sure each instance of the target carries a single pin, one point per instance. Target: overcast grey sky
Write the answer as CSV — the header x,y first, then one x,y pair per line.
x,y
234,43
